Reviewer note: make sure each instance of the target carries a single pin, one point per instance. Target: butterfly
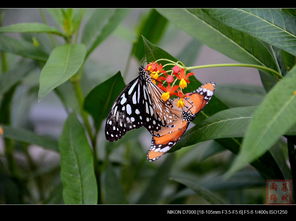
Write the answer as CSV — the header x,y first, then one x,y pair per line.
x,y
140,104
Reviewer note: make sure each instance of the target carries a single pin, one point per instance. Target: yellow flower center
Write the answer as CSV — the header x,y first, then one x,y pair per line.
x,y
180,103
154,74
183,84
165,96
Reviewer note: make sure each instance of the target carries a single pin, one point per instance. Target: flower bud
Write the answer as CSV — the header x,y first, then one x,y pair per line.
x,y
169,79
183,83
165,96
176,69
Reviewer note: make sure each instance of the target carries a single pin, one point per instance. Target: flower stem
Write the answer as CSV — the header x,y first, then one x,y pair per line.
x,y
180,64
274,72
171,62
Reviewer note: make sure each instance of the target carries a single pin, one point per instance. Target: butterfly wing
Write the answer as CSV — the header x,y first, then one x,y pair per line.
x,y
158,113
139,104
164,139
125,112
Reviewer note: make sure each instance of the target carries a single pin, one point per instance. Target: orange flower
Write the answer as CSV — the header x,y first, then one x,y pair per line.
x,y
154,67
183,77
167,82
168,91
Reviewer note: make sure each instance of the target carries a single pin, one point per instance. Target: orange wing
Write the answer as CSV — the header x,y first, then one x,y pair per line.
x,y
165,138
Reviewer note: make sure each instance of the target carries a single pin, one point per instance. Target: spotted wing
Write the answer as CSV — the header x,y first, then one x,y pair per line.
x,y
126,111
163,111
139,104
164,139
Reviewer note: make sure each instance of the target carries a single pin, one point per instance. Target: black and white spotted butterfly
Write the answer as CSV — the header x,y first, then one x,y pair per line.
x,y
139,104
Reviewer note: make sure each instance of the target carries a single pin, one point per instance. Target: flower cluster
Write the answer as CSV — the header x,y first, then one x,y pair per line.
x,y
171,81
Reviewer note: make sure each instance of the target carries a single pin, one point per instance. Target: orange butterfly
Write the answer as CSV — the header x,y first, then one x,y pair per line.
x,y
164,139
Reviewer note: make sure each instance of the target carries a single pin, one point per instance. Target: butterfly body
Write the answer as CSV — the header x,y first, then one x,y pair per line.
x,y
140,104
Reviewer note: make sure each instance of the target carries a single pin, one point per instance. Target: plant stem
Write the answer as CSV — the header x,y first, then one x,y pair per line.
x,y
79,96
292,160
4,64
5,118
9,154
33,167
275,57
274,72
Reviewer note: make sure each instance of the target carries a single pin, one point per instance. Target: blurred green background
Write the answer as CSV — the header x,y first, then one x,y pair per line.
x,y
192,175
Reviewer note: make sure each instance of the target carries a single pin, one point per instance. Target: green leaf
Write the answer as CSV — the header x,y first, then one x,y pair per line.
x,y
112,192
289,11
201,191
224,124
77,18
270,25
100,25
157,183
26,136
273,118
268,81
22,48
153,52
63,62
9,79
77,166
279,151
190,52
31,27
228,123
235,95
57,15
230,42
152,26
55,196
11,189
197,153
241,180
43,41
287,61
99,100
125,33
